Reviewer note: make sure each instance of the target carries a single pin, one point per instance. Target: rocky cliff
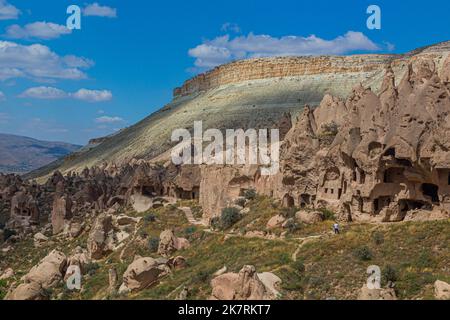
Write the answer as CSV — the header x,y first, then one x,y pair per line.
x,y
254,93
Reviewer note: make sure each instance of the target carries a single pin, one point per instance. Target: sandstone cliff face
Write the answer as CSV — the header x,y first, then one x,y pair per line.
x,y
372,157
246,94
265,68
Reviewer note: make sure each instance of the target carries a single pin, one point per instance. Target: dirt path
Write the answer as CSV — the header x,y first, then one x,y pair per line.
x,y
188,213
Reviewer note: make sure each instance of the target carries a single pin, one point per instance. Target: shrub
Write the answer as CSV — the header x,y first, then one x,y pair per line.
x,y
389,273
250,194
240,202
150,218
229,217
328,214
190,230
378,238
299,266
3,289
424,260
363,253
153,244
200,277
291,225
7,233
91,268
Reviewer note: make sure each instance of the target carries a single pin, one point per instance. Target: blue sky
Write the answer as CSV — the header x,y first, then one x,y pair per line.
x,y
129,55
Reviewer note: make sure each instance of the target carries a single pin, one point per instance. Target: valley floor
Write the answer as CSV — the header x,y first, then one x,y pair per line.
x,y
311,261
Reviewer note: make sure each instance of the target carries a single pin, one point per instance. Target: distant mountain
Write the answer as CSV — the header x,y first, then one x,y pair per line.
x,y
22,154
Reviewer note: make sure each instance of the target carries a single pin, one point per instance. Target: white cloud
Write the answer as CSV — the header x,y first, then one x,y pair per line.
x,y
107,119
93,95
8,11
37,61
47,93
37,30
97,10
2,96
225,49
50,93
231,26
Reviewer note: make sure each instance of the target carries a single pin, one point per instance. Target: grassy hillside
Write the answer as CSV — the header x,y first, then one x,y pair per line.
x,y
312,262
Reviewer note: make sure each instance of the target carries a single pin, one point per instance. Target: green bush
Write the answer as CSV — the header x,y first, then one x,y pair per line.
x,y
200,277
153,244
3,289
298,266
8,233
389,273
229,217
328,214
363,253
150,218
91,268
250,194
378,238
240,202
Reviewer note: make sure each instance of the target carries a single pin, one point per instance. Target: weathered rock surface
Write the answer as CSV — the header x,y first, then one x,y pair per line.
x,y
49,271
142,273
245,285
101,239
442,290
169,243
376,294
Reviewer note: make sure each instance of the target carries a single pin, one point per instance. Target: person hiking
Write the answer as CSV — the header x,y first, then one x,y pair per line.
x,y
336,228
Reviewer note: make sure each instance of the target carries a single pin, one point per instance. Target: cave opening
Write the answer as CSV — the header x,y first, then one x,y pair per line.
x,y
431,190
288,201
148,191
305,200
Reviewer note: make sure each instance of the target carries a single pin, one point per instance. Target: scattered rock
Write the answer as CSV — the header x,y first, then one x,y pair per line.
x,y
49,271
142,273
309,217
169,243
39,240
101,239
245,285
376,294
7,274
27,292
442,290
275,222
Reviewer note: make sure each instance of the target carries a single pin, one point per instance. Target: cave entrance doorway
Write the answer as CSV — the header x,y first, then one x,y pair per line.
x,y
148,191
305,200
288,201
432,191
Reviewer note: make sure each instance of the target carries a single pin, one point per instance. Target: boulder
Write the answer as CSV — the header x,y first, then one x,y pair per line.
x,y
39,240
376,294
75,229
442,290
49,271
245,285
169,243
27,292
309,217
61,213
101,238
275,222
142,273
7,274
178,262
